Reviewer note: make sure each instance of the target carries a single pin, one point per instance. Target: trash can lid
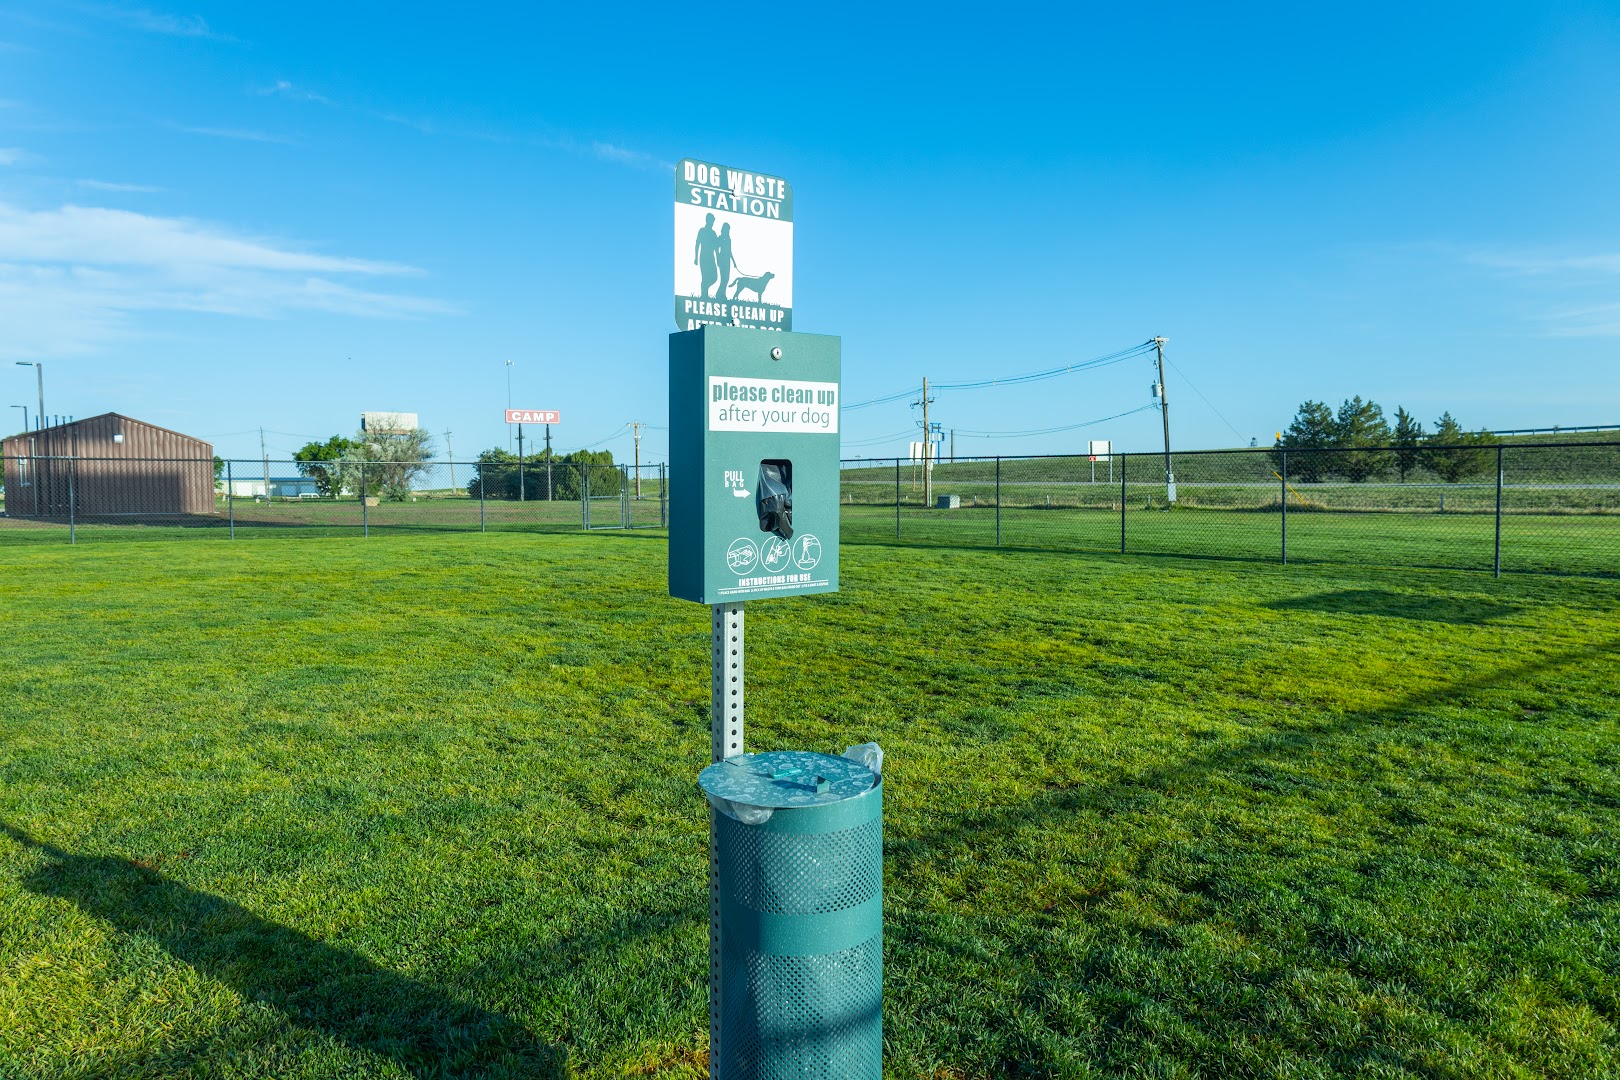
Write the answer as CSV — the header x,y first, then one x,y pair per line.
x,y
786,778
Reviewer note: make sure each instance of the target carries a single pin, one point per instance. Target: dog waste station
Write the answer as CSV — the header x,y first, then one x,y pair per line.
x,y
795,836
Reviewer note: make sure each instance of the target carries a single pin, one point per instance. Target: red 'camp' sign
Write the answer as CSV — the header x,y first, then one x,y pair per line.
x,y
533,416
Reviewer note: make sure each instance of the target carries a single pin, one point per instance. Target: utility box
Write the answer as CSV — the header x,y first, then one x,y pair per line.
x,y
754,475
948,502
799,843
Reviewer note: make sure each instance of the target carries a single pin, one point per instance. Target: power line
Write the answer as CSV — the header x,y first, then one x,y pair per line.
x,y
1201,397
881,438
620,430
1052,430
1013,380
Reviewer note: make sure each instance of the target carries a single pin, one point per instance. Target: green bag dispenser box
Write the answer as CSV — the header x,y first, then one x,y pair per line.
x,y
800,845
753,451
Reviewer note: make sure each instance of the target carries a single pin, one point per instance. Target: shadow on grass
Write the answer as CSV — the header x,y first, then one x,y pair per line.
x,y
314,985
1458,611
990,827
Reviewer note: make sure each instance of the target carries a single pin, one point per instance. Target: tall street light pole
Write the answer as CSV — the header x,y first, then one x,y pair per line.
x,y
39,369
509,402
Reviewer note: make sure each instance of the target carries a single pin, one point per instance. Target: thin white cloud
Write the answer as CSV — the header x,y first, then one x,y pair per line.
x,y
76,277
234,133
602,151
283,89
1587,285
12,155
623,156
161,22
1530,263
111,185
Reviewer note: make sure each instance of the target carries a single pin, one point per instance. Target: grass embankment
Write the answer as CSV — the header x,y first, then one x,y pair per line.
x,y
1579,544
1538,479
425,806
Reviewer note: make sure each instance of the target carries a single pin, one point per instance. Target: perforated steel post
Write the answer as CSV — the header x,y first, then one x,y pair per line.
x,y
725,740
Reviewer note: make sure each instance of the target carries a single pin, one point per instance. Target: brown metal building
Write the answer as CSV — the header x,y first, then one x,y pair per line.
x,y
111,467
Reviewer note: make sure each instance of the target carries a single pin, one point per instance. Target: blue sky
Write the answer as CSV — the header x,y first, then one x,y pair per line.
x,y
222,216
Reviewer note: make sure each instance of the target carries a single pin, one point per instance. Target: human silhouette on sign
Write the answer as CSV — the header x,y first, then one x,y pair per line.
x,y
705,254
724,259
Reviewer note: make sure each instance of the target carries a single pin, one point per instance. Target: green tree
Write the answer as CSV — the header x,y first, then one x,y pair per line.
x,y
1455,454
1358,425
496,475
1313,429
1408,443
383,466
311,456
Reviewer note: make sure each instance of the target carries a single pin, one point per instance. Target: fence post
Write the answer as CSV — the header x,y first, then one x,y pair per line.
x,y
998,500
624,495
1123,458
365,505
663,495
1496,564
482,483
73,528
585,496
1283,476
897,498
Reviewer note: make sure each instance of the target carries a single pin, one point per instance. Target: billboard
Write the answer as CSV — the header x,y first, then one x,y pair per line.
x,y
388,423
533,416
733,248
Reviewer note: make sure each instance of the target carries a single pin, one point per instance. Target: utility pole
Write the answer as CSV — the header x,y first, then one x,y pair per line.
x,y
1164,414
927,447
953,446
450,452
635,431
520,463
264,456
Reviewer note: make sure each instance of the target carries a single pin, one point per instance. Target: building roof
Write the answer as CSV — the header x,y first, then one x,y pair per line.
x,y
71,424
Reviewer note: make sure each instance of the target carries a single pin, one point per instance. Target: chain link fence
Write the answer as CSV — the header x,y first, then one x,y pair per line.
x,y
57,499
1550,508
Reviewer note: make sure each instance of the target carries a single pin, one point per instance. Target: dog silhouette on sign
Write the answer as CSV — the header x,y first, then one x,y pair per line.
x,y
755,285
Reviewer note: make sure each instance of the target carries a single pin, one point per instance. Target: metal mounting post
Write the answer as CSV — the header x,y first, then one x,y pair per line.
x,y
726,740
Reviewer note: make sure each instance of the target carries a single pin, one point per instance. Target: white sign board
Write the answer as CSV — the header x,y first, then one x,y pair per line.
x,y
924,451
1099,449
388,423
733,247
533,416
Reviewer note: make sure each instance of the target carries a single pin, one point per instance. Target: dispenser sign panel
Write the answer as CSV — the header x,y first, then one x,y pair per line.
x,y
733,248
754,479
772,405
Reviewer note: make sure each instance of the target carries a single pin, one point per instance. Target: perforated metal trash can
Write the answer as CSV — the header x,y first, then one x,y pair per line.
x,y
799,839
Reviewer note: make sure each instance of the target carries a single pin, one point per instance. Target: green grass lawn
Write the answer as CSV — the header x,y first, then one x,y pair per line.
x,y
426,806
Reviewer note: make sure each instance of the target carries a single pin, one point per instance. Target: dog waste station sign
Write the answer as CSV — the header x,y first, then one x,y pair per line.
x,y
795,836
733,247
